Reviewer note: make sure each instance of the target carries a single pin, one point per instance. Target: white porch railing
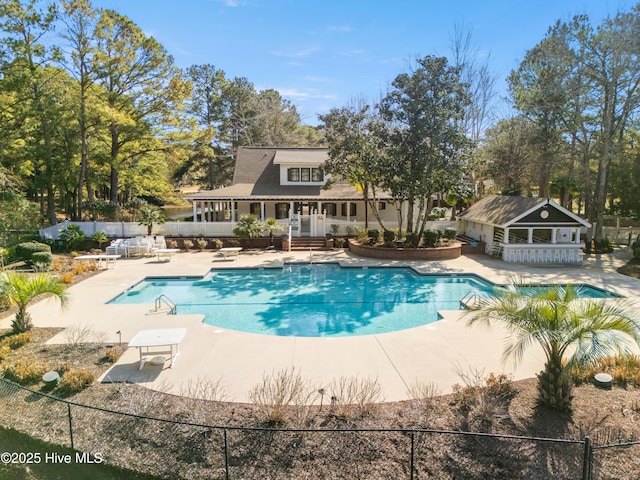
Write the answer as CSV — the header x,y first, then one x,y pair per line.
x,y
205,229
542,253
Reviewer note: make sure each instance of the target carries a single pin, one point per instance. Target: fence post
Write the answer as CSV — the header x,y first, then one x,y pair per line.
x,y
412,453
70,425
226,455
587,459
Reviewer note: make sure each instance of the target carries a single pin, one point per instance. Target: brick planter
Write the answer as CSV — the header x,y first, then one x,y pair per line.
x,y
439,253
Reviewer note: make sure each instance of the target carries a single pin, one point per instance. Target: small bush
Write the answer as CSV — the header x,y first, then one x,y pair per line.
x,y
67,277
349,230
25,371
16,341
361,235
41,261
172,244
388,236
277,392
24,251
72,237
202,243
412,240
450,233
217,243
431,238
188,244
112,354
354,397
339,242
75,381
374,235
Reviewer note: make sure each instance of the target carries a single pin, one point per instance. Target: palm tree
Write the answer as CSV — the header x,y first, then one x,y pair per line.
x,y
271,225
20,290
150,215
248,227
571,331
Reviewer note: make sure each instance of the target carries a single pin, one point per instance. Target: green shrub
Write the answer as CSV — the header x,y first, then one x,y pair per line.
x,y
374,235
99,238
431,238
72,236
41,261
25,371
361,235
450,233
388,236
412,240
74,381
217,243
24,251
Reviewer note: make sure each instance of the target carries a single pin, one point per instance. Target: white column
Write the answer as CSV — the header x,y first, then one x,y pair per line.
x,y
205,213
262,212
577,240
506,236
233,211
530,235
202,211
195,211
554,234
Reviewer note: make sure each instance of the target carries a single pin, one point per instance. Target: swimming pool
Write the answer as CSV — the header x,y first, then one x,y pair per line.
x,y
319,300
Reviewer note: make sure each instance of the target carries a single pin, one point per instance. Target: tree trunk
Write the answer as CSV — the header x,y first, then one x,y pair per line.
x,y
554,386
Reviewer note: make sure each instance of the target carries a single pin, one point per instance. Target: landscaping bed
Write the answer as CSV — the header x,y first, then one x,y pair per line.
x,y
494,405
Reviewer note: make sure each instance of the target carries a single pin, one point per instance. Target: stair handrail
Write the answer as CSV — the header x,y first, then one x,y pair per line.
x,y
173,308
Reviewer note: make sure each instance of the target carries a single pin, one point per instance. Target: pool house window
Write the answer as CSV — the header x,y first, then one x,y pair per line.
x,y
282,210
305,175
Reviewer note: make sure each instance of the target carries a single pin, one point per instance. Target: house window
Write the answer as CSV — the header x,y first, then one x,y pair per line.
x,y
293,174
352,209
305,174
331,209
254,209
282,210
316,175
382,205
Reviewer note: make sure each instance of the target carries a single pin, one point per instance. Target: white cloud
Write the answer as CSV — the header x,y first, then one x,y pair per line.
x,y
305,94
351,52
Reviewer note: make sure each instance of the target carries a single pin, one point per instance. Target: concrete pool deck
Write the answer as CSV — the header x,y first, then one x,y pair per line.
x,y
434,353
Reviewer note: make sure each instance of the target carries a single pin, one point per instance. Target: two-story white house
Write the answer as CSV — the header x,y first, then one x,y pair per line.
x,y
287,184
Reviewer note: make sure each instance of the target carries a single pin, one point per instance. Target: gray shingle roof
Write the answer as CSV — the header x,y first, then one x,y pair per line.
x,y
501,211
256,176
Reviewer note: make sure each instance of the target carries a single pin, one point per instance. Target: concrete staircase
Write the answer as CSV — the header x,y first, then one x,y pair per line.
x,y
308,243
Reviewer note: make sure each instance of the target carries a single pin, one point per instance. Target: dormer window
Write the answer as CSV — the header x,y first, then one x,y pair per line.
x,y
305,175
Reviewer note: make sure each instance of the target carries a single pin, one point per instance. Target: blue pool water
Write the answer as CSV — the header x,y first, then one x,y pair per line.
x,y
320,300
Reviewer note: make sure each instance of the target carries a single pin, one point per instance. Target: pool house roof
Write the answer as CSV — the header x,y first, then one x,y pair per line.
x,y
506,211
257,177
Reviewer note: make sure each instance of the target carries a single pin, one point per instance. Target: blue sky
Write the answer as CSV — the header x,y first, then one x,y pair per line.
x,y
322,54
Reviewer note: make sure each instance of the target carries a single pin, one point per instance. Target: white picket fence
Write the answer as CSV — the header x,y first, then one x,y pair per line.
x,y
191,229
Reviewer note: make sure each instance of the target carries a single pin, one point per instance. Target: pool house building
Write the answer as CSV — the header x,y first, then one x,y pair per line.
x,y
525,229
287,184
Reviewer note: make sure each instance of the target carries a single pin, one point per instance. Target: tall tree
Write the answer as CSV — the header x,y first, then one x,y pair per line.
x,y
26,74
426,145
352,134
143,91
79,20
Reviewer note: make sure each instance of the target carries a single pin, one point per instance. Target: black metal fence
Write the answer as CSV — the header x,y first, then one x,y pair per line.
x,y
181,449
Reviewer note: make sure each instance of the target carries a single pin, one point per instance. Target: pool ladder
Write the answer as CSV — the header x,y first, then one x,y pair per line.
x,y
173,309
469,300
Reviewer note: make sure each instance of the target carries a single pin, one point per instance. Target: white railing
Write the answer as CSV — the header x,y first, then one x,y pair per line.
x,y
197,229
542,253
